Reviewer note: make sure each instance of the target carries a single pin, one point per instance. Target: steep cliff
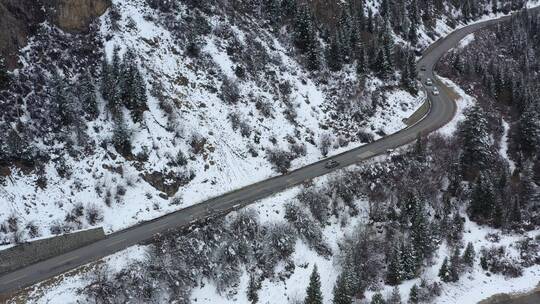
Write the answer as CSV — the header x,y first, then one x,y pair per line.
x,y
76,15
20,18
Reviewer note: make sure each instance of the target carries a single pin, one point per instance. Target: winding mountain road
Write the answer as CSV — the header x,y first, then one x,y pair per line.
x,y
441,112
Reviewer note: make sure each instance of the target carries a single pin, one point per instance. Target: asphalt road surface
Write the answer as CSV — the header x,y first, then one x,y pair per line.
x,y
441,112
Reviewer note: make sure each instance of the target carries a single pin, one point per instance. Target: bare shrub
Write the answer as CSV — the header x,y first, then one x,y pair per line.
x,y
245,129
298,149
265,108
33,230
234,118
317,202
325,143
280,159
307,228
94,214
197,143
497,260
230,92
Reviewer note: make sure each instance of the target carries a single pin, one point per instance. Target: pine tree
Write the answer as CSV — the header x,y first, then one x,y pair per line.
x,y
394,271
370,26
342,293
133,87
395,296
409,261
314,294
412,35
482,198
385,9
377,299
455,232
16,147
302,30
474,135
313,58
515,213
87,96
61,103
494,6
4,74
529,129
444,272
498,215
333,56
106,81
121,137
361,61
421,236
252,295
455,265
469,255
413,294
273,12
466,10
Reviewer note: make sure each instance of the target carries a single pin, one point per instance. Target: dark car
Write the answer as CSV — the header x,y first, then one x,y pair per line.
x,y
331,164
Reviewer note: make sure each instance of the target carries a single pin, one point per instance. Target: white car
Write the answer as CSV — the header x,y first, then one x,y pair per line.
x,y
429,82
435,92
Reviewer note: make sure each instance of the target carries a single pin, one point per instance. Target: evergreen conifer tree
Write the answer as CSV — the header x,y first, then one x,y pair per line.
x,y
302,30
394,271
469,255
409,261
333,56
474,135
529,129
61,103
377,299
482,198
4,74
421,236
455,265
444,271
342,291
515,213
133,87
314,294
395,296
253,287
413,294
87,96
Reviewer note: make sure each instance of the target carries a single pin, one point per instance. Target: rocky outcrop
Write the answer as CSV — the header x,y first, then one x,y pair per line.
x,y
76,15
20,18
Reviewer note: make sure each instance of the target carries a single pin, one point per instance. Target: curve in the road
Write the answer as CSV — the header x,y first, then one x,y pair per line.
x,y
442,111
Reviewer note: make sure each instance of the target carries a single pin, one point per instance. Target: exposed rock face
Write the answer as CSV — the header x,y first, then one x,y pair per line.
x,y
76,15
20,18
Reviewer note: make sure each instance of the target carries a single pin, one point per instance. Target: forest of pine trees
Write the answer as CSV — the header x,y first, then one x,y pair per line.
x,y
499,64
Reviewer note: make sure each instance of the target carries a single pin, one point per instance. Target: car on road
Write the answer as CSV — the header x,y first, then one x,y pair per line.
x,y
390,151
423,68
436,92
429,82
331,164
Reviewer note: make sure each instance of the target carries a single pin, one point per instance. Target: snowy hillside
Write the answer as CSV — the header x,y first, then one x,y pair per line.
x,y
212,123
167,103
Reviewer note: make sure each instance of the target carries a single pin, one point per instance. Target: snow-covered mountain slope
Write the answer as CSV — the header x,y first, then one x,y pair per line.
x,y
212,121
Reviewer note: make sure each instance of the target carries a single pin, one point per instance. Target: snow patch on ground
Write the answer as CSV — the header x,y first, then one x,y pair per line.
x,y
466,41
463,102
504,146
